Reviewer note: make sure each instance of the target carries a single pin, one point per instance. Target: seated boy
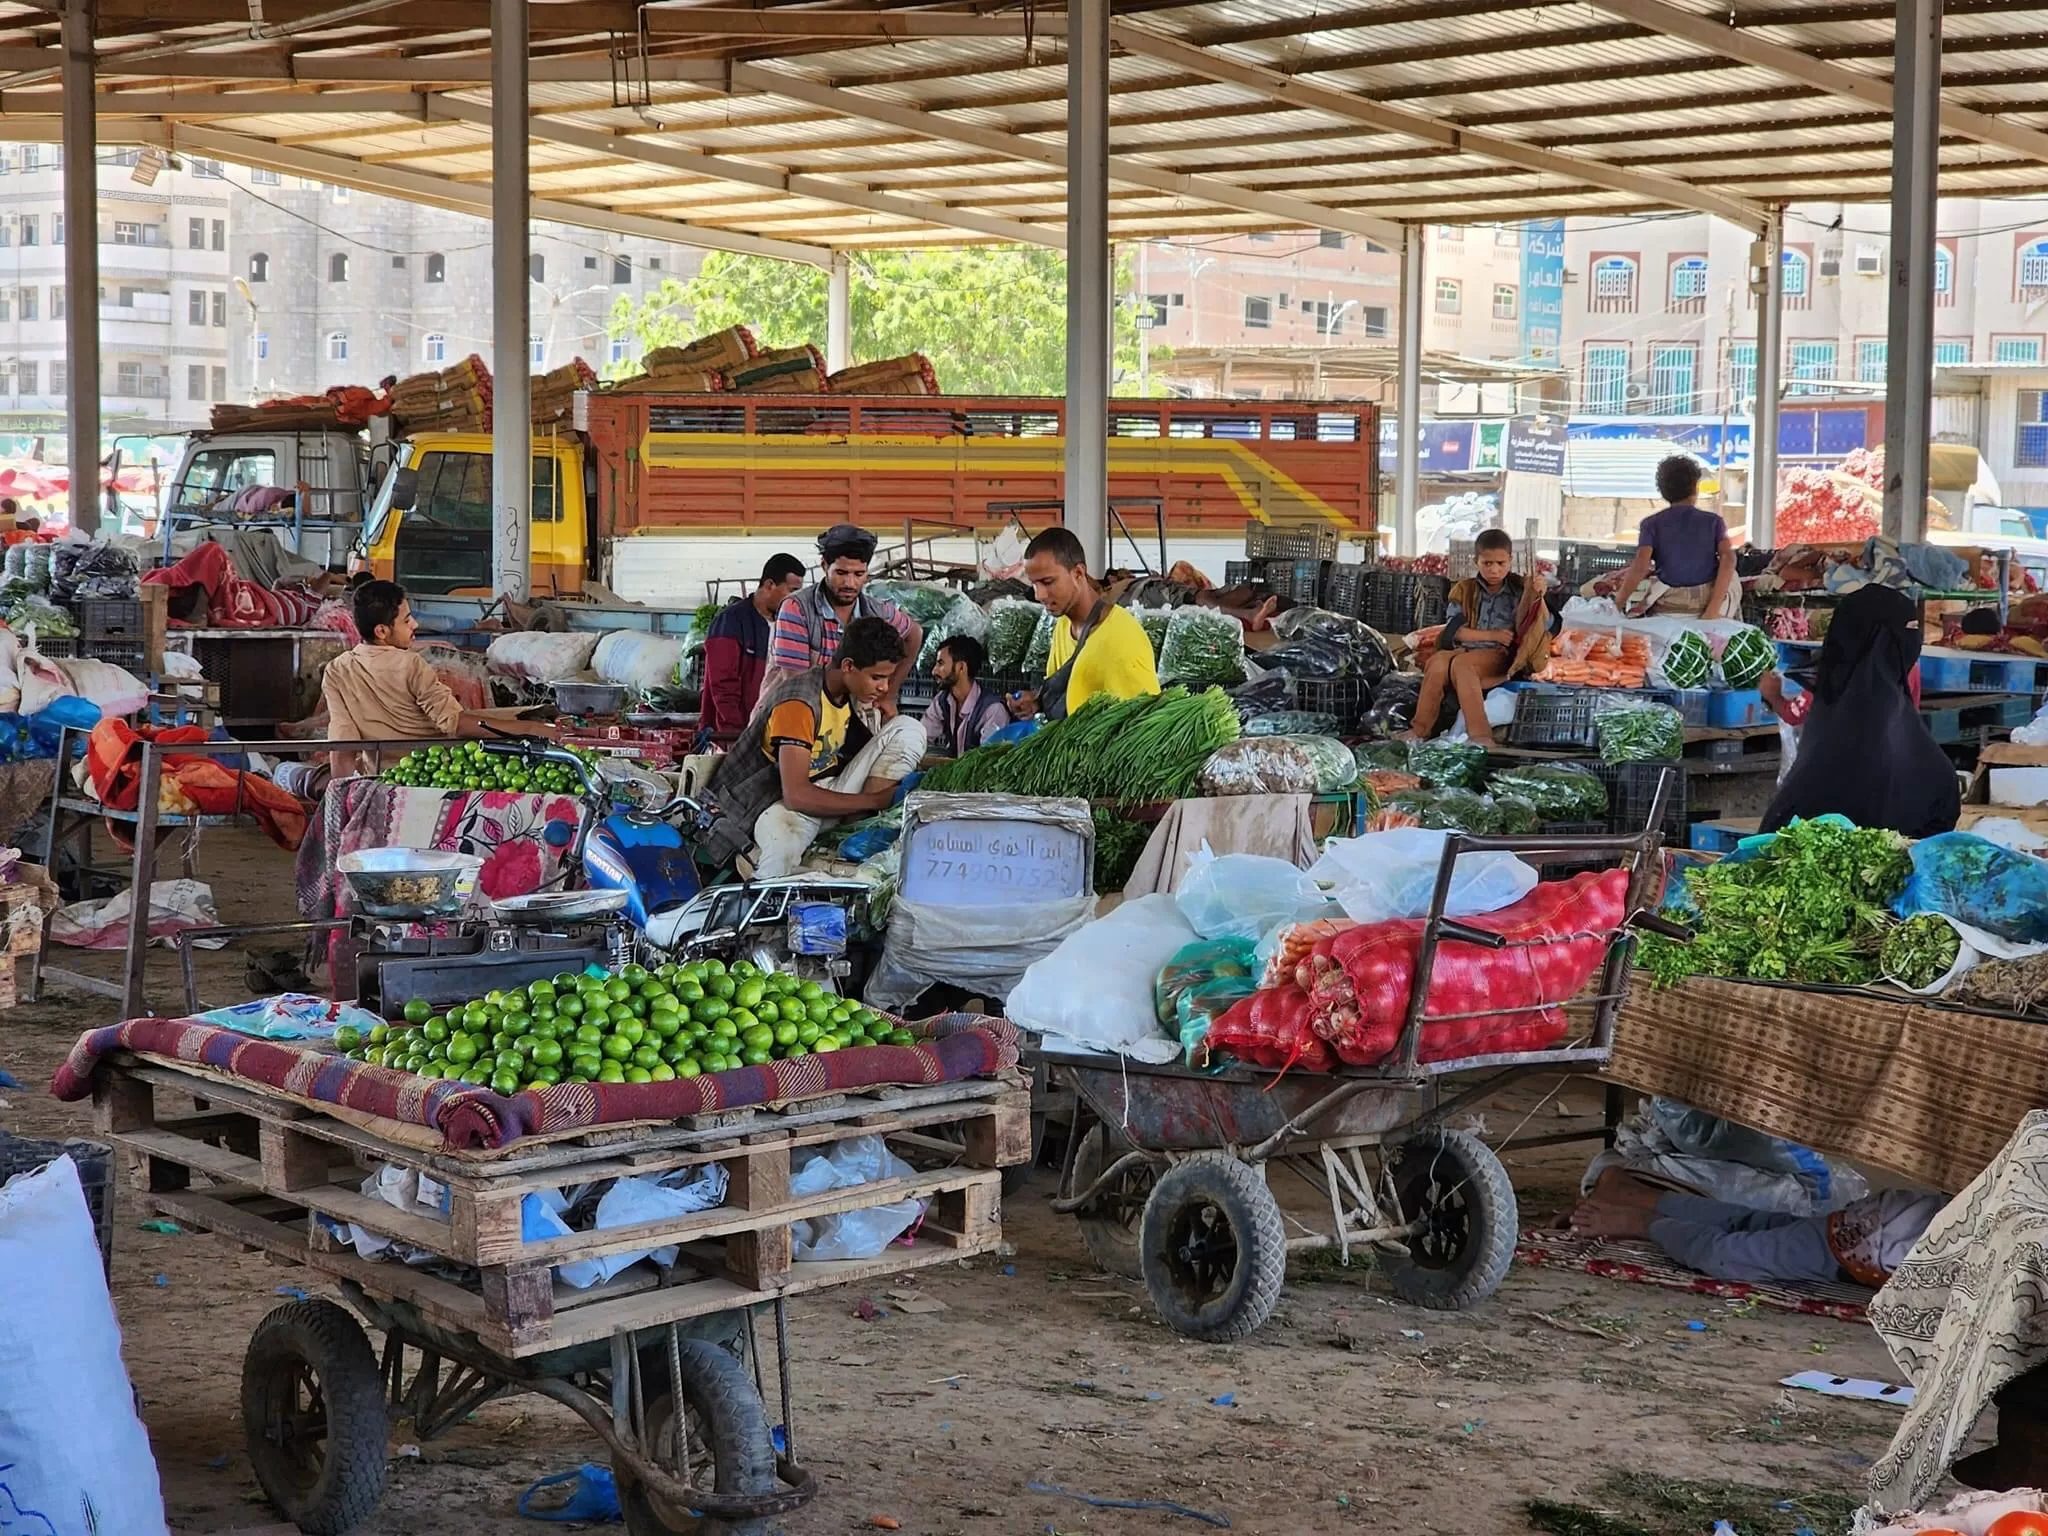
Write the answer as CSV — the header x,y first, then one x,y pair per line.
x,y
1496,627
816,751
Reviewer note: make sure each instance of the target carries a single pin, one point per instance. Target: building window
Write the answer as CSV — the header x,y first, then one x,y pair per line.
x,y
195,306
1376,327
1155,305
622,270
207,170
1450,296
195,381
337,346
220,307
2030,430
1451,232
654,263
1944,277
1507,237
31,157
2013,349
6,235
262,345
259,266
1506,302
537,267
56,229
1688,285
435,347
1797,270
195,234
25,378
60,377
398,263
1613,288
1605,392
437,268
31,226
6,304
617,354
218,239
220,382
1870,361
56,301
1949,352
538,349
590,263
126,233
337,267
1674,379
1258,314
1331,239
1813,367
259,177
2033,268
26,298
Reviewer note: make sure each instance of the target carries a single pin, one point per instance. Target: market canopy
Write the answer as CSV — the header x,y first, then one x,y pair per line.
x,y
793,131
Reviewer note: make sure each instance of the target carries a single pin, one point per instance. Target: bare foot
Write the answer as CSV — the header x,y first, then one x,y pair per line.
x,y
1620,1205
1263,619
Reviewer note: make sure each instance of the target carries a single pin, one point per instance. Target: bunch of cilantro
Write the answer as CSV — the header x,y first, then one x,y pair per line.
x,y
1814,906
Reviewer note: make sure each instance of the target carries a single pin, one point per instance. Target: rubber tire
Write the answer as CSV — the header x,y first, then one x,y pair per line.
x,y
350,1482
1110,1243
1237,1194
742,1447
1422,1170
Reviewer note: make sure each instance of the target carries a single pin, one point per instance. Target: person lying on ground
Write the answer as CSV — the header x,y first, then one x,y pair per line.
x,y
1863,1242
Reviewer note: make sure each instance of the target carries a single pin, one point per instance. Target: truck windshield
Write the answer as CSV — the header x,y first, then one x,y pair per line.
x,y
214,474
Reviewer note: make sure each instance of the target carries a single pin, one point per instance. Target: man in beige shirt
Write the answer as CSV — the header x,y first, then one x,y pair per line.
x,y
384,690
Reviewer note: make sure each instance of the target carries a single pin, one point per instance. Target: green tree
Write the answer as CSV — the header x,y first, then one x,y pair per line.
x,y
992,319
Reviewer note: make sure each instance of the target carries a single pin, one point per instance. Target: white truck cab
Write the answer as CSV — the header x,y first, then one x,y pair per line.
x,y
339,466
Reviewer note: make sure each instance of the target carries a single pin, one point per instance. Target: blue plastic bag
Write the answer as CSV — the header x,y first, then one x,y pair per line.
x,y
1975,881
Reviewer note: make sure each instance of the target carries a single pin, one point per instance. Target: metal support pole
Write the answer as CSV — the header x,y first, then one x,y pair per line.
x,y
512,386
1909,347
1769,287
81,266
1408,449
839,313
1088,296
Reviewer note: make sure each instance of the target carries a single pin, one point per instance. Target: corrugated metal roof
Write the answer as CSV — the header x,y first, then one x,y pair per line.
x,y
793,128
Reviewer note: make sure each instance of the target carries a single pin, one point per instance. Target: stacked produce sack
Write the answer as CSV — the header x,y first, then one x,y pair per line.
x,y
455,399
346,405
695,368
554,392
780,371
911,374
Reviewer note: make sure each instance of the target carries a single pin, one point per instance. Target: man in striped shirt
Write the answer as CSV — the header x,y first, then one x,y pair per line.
x,y
808,627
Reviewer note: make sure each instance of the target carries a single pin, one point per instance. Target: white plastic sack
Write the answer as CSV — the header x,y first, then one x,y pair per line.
x,y
42,682
849,1234
117,691
10,672
1500,707
984,949
183,666
74,1459
174,905
1384,875
1096,988
540,657
626,1203
638,660
1244,895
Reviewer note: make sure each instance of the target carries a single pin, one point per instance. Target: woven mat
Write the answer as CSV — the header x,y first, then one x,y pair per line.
x,y
1931,1093
1647,1264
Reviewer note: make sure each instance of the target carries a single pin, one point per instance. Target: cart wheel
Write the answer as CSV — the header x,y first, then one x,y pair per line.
x,y
728,1429
1110,1226
1453,1184
1213,1249
313,1415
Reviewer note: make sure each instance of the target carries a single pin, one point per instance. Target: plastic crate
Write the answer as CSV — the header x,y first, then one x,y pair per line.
x,y
1716,837
131,656
1347,698
111,618
1344,589
1694,705
57,647
18,1154
1297,581
1732,709
1579,562
1553,717
1976,674
1306,541
1631,789
1238,573
1400,602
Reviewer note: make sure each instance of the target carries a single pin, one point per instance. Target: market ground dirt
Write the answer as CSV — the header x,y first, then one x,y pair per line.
x,y
1348,1412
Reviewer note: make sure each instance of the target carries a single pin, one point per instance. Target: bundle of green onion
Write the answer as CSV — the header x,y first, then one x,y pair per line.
x,y
1137,751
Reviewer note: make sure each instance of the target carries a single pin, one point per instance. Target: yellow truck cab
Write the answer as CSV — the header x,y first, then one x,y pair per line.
x,y
429,527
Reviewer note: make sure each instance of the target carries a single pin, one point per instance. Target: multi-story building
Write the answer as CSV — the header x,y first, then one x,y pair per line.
x,y
163,299
333,286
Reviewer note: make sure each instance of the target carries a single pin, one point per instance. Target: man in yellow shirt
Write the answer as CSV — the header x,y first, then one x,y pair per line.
x,y
1097,647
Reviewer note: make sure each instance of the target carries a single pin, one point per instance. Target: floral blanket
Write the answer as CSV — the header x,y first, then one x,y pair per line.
x,y
522,839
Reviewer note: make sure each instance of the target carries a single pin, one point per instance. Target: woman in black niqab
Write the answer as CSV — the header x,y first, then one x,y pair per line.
x,y
1864,752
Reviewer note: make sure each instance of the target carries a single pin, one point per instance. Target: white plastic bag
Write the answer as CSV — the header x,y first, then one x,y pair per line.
x,y
10,672
407,1190
1096,988
1385,875
74,1459
117,691
636,659
540,657
849,1234
627,1202
1244,895
42,682
174,906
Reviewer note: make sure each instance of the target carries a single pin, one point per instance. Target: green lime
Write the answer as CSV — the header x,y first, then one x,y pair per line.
x,y
721,987
634,975
418,1011
506,1083
570,1007
611,1072
639,1075
586,1067
819,1010
539,989
689,1067
902,1037
824,1043
547,1077
498,999
617,989
810,991
759,1037
790,1053
348,1038
661,1072
666,1025
646,1056
547,1053
750,992
379,1033
689,991
435,1029
617,1047
462,1049
807,1032
785,1033
712,967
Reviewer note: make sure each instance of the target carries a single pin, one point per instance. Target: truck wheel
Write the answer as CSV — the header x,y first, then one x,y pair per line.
x,y
1452,1183
1213,1248
313,1416
1110,1226
731,1450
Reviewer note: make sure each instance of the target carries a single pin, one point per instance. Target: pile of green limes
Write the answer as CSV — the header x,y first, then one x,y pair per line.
x,y
634,1026
469,766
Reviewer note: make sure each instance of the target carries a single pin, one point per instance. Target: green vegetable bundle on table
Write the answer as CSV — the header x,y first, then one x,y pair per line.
x,y
1812,906
1920,951
1118,842
1559,791
469,766
1134,750
634,1026
1639,733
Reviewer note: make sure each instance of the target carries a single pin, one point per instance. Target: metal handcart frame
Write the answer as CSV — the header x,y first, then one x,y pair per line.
x,y
1167,1167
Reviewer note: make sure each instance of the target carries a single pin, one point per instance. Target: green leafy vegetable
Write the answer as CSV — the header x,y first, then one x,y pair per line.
x,y
1202,646
1448,764
1118,842
1920,951
1559,791
1040,648
1139,750
1011,624
1640,733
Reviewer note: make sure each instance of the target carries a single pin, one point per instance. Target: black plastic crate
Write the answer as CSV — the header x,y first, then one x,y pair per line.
x,y
1344,588
1240,573
1400,602
131,656
1579,562
1631,790
56,647
18,1154
111,618
1297,581
1347,698
1308,541
1553,717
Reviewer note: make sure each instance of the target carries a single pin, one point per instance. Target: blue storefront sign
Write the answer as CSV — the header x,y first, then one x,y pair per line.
x,y
1542,290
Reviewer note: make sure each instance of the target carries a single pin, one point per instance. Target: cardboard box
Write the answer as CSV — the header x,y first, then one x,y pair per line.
x,y
2011,776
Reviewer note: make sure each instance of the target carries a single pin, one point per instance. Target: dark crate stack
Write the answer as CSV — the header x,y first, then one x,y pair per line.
x,y
1347,698
1401,602
1345,588
1579,563
1308,541
114,630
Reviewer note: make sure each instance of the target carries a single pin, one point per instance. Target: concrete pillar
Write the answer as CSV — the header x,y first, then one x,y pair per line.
x,y
81,266
1769,288
1909,347
1088,296
1408,451
839,313
511,361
